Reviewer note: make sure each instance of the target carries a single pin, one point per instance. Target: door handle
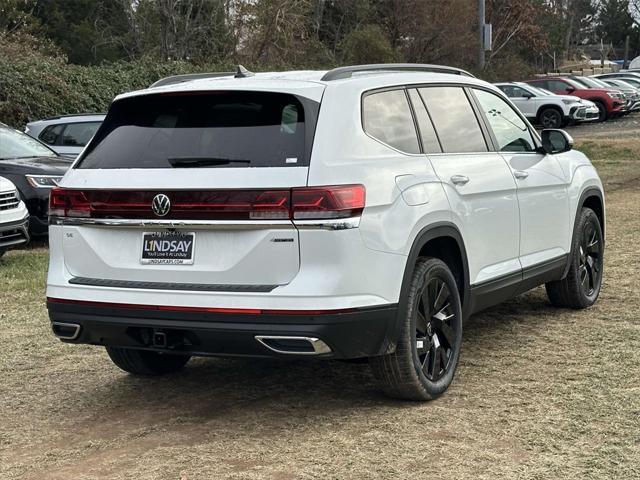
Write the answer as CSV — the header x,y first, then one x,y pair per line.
x,y
520,174
459,180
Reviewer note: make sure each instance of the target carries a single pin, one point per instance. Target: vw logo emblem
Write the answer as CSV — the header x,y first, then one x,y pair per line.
x,y
161,205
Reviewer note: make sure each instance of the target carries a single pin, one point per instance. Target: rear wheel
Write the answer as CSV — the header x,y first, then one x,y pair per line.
x,y
550,118
602,111
581,287
144,362
426,356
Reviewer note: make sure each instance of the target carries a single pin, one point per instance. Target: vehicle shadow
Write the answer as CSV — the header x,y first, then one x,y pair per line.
x,y
213,387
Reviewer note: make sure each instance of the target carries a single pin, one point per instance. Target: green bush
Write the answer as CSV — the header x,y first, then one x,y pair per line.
x,y
36,85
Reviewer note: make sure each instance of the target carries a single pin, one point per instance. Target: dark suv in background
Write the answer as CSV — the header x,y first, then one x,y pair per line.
x,y
34,169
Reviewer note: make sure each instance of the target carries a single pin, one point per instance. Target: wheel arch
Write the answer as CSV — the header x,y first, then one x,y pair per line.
x,y
592,198
441,240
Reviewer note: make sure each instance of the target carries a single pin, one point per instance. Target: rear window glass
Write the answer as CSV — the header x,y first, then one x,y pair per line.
x,y
212,129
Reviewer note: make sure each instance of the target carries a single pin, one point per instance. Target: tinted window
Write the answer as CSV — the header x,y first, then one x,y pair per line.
x,y
510,130
515,92
387,117
428,135
557,86
541,84
78,134
50,134
454,119
221,129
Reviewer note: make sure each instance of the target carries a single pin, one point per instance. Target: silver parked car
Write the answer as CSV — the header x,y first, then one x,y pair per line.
x,y
66,134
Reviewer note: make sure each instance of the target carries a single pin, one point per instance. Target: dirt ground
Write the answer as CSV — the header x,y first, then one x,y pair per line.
x,y
540,393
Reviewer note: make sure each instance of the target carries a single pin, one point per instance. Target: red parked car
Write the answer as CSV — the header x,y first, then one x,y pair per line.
x,y
610,102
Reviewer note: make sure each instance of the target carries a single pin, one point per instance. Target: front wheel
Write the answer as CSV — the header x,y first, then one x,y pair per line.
x,y
550,118
427,352
581,287
145,362
602,111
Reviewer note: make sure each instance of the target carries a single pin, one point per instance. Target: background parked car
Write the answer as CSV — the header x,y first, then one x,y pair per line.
x,y
14,217
593,114
625,86
34,169
66,134
610,102
630,93
545,109
633,81
619,75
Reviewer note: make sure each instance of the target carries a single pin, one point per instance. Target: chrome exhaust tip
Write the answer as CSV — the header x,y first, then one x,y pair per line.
x,y
65,331
291,345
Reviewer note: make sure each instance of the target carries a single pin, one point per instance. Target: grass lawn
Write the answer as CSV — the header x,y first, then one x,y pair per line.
x,y
540,393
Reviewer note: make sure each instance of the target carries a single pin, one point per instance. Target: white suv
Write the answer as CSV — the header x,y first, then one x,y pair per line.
x,y
546,108
14,217
360,212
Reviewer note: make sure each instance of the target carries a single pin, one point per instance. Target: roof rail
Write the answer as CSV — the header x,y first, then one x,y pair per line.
x,y
55,117
188,77
346,72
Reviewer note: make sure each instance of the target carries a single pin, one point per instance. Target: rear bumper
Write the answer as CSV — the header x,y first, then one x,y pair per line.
x,y
353,333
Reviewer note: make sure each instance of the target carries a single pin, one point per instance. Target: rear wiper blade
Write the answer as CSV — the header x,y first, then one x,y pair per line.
x,y
204,161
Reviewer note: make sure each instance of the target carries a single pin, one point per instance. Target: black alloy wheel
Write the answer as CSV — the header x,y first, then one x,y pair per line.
x,y
581,286
435,333
551,118
590,267
428,347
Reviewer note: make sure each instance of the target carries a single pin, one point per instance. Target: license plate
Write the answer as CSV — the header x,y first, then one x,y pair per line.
x,y
168,248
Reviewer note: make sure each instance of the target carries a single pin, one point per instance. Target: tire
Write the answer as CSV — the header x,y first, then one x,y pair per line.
x,y
414,371
602,111
550,118
581,287
145,362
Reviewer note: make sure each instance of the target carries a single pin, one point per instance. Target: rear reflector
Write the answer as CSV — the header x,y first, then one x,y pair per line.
x,y
340,201
174,308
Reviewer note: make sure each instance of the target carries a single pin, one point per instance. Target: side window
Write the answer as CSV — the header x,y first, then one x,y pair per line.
x,y
79,134
507,89
542,84
511,132
518,92
427,132
454,119
387,117
50,134
557,86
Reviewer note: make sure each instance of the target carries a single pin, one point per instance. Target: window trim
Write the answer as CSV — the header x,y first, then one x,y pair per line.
x,y
424,104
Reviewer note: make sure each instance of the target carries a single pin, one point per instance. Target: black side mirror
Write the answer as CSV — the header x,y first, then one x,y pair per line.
x,y
570,89
528,96
556,141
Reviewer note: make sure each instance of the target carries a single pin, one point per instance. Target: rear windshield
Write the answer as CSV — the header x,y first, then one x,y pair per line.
x,y
208,129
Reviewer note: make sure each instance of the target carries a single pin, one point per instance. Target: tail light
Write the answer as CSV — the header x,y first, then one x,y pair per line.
x,y
68,203
327,202
341,201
